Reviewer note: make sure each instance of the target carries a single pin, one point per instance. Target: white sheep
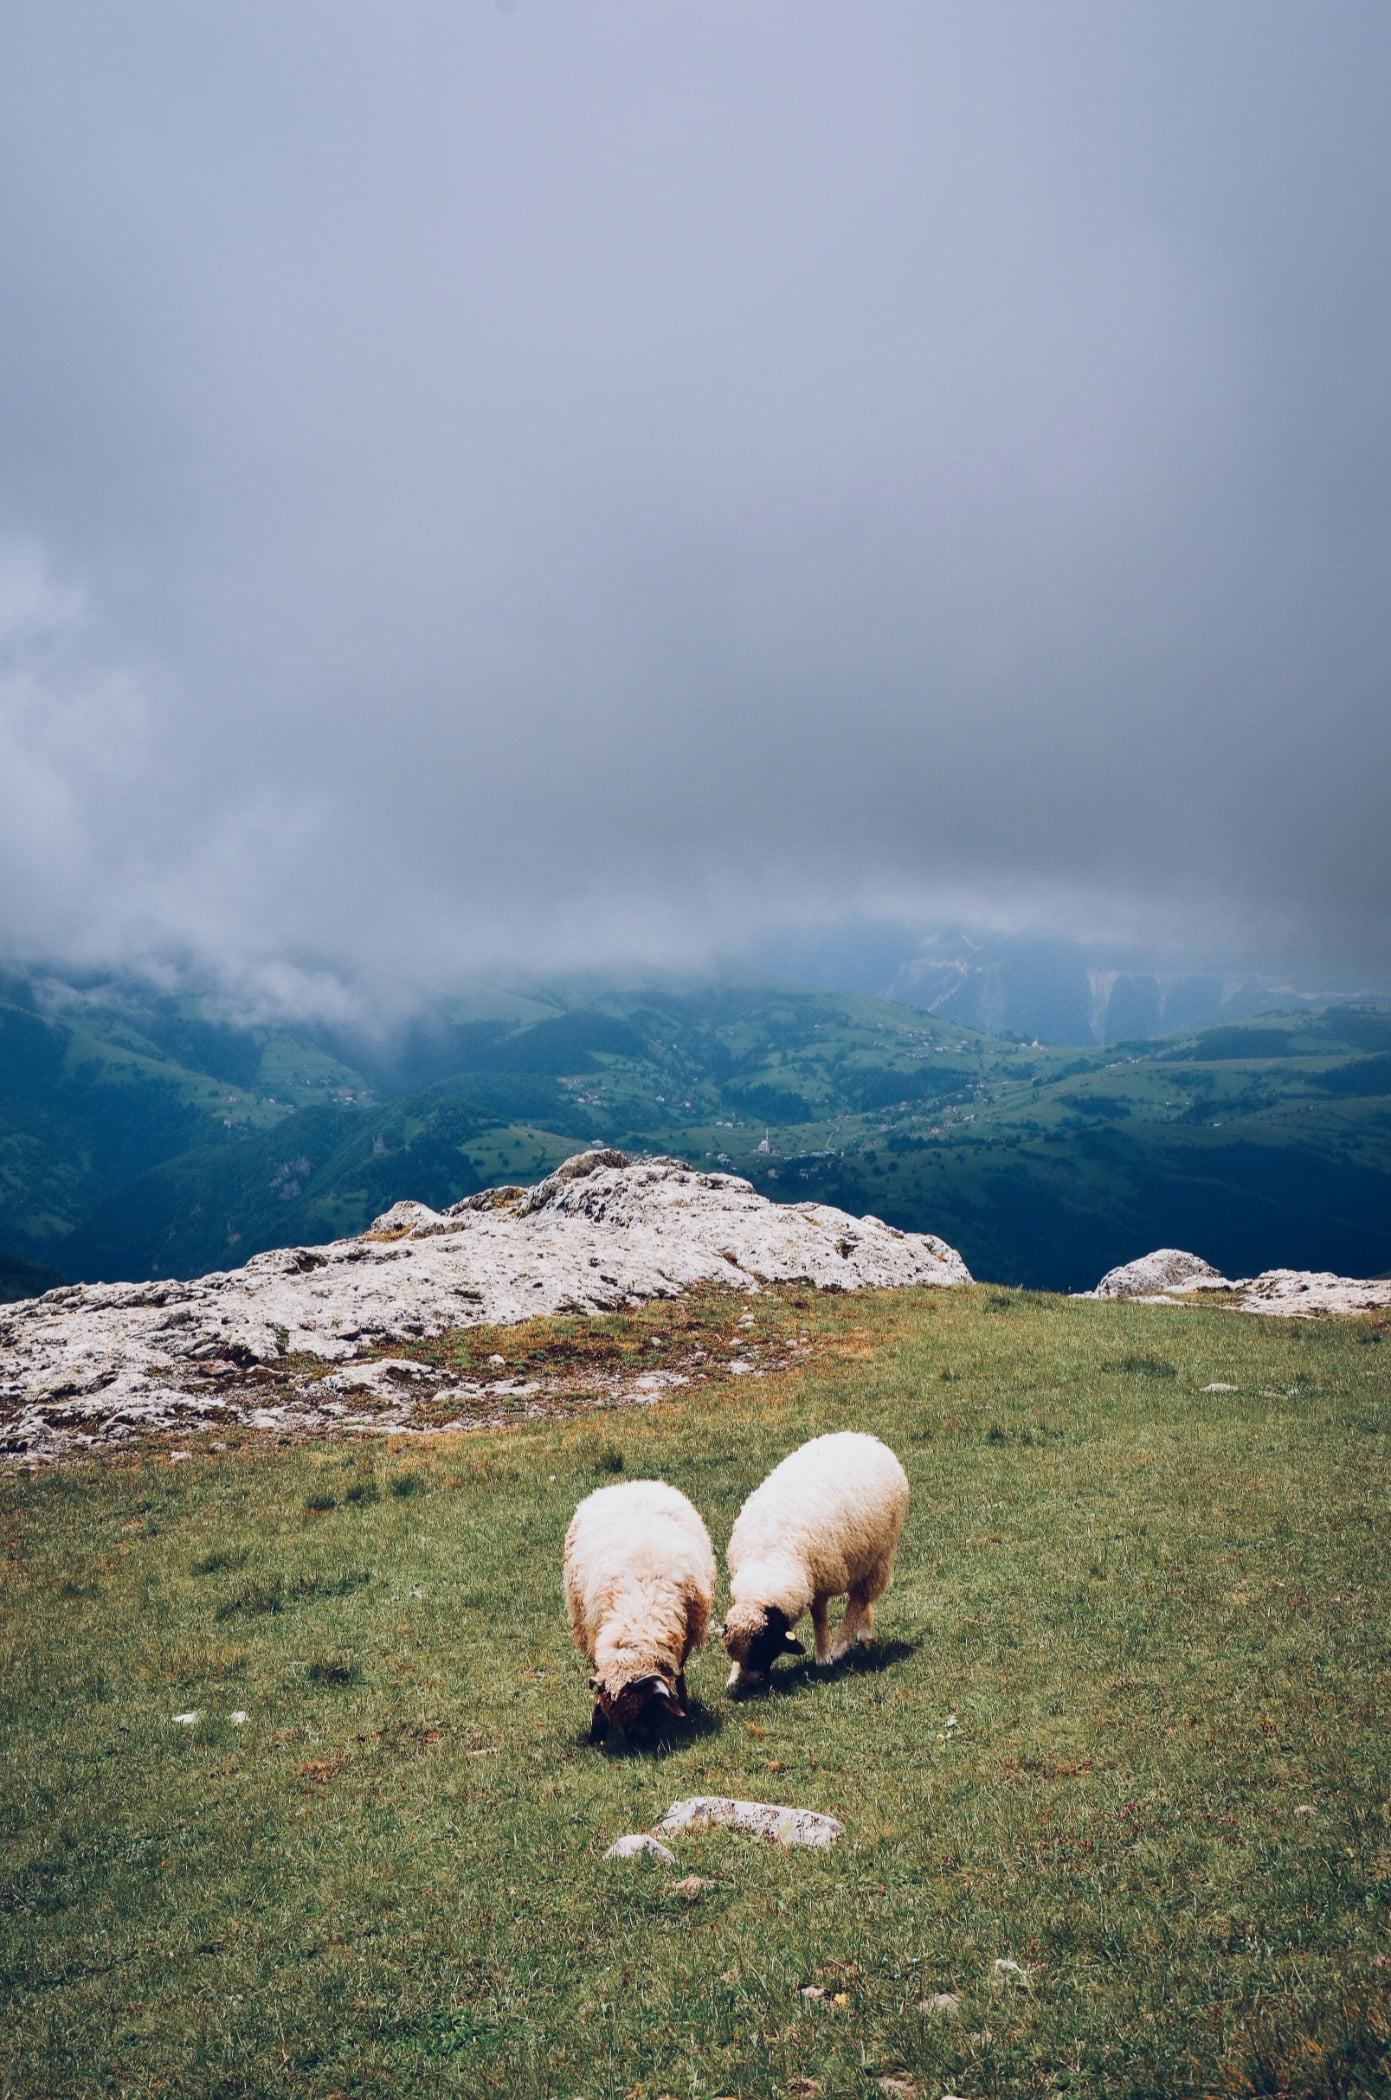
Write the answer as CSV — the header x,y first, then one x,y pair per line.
x,y
825,1523
639,1585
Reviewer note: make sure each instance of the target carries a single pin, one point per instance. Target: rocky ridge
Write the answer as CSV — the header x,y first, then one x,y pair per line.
x,y
94,1364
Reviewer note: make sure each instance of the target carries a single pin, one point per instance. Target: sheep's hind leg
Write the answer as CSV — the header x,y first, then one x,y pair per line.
x,y
821,1629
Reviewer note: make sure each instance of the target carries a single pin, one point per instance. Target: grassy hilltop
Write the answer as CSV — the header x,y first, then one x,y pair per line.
x,y
1127,1728
139,1136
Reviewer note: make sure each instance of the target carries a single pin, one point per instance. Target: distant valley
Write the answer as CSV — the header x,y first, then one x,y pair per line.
x,y
143,1134
1055,989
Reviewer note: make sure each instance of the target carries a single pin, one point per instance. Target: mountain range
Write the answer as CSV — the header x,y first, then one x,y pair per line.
x,y
145,1132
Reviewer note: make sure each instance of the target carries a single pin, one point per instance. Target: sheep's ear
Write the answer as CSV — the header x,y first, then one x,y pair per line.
x,y
792,1644
598,1725
594,1684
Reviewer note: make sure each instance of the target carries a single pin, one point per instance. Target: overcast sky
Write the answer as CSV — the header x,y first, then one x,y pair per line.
x,y
564,481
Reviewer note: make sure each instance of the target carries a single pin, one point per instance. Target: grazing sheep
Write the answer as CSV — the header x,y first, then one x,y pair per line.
x,y
825,1523
639,1584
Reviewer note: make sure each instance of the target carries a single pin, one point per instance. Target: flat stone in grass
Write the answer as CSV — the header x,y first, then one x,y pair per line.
x,y
759,1819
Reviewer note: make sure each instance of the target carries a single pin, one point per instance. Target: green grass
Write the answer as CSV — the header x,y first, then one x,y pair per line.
x,y
1158,1615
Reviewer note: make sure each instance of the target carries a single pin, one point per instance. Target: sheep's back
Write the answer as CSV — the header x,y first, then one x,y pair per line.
x,y
837,1504
640,1541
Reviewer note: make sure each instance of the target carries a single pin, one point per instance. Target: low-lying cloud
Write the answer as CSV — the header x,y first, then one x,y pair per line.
x,y
553,486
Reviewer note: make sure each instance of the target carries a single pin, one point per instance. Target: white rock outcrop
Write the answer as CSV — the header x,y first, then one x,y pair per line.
x,y
1168,1274
1167,1269
1303,1292
92,1363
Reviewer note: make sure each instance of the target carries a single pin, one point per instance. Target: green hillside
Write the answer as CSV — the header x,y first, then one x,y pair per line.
x,y
24,1279
1261,1144
1113,1782
95,1088
142,1136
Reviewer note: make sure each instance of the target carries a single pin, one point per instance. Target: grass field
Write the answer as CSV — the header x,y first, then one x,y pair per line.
x,y
1127,1729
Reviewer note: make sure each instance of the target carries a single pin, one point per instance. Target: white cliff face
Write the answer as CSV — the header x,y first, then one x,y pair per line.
x,y
92,1363
1168,1274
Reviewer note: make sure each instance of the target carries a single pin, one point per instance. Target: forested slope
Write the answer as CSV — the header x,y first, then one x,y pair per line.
x,y
143,1134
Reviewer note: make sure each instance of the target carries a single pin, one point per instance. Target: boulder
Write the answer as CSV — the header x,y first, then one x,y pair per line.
x,y
1167,1269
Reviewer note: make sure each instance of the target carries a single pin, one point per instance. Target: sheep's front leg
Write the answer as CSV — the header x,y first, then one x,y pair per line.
x,y
857,1624
821,1629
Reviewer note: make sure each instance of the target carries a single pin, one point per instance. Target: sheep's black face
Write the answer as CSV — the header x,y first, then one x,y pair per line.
x,y
754,1651
642,1709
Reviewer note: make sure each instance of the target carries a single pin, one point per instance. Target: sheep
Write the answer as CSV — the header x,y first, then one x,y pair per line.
x,y
639,1586
825,1523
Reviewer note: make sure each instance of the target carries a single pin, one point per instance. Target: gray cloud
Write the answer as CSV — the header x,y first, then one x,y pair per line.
x,y
563,484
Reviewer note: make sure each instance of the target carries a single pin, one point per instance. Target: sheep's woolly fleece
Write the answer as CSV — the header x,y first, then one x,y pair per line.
x,y
1169,1274
91,1364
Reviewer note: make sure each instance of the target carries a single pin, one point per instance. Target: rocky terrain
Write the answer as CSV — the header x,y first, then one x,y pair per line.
x,y
301,1337
1169,1274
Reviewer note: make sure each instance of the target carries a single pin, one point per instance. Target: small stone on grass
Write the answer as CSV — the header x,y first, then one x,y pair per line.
x,y
637,1843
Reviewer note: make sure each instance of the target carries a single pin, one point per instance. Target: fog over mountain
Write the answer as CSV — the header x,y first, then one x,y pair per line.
x,y
533,486
1049,988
